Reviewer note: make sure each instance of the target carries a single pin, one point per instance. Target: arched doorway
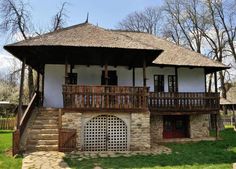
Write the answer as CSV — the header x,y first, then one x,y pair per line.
x,y
105,133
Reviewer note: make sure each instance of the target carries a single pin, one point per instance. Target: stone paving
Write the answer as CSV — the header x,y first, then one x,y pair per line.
x,y
44,160
54,160
88,155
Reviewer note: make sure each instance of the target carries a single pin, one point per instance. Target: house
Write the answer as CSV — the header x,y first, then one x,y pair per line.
x,y
113,90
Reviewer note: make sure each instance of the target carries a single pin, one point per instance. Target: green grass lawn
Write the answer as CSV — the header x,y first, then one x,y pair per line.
x,y
6,161
202,155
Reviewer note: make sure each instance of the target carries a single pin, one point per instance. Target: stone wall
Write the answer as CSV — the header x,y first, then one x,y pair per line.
x,y
199,126
73,121
140,131
138,127
156,123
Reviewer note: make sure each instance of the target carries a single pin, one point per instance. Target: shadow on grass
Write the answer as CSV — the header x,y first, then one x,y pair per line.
x,y
209,153
5,131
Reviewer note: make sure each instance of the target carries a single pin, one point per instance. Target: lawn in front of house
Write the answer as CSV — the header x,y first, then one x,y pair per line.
x,y
6,160
202,155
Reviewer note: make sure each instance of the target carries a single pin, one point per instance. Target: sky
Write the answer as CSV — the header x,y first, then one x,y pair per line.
x,y
104,13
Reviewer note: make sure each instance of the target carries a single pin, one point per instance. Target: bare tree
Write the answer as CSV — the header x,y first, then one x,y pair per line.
x,y
59,20
147,20
17,22
183,20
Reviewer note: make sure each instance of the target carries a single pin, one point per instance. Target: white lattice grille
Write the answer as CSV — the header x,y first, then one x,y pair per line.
x,y
105,133
95,134
117,134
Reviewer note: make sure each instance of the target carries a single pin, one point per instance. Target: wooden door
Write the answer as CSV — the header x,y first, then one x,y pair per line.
x,y
176,126
112,78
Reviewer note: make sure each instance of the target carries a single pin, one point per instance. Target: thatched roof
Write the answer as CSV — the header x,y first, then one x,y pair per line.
x,y
86,35
90,36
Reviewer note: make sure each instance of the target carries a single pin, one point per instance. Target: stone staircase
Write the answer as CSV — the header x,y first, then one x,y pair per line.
x,y
43,133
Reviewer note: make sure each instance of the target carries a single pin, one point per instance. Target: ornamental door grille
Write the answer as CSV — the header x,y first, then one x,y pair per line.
x,y
105,133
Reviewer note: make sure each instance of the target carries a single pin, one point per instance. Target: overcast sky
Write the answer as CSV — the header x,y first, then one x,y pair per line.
x,y
105,13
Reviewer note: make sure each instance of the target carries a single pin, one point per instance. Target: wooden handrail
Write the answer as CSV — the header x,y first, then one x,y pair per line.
x,y
25,118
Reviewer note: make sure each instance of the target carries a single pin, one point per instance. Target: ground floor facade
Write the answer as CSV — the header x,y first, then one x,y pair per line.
x,y
136,131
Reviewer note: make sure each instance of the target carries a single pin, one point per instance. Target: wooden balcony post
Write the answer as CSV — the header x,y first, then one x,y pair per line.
x,y
66,70
21,92
144,72
215,76
176,79
106,74
133,76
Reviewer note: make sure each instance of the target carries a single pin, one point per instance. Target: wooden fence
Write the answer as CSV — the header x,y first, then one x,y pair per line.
x,y
7,123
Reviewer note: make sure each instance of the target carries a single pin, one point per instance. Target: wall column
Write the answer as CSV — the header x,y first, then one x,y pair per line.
x,y
21,92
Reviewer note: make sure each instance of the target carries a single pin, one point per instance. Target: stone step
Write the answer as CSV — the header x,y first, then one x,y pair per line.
x,y
43,136
43,147
47,118
47,115
42,142
45,126
44,131
49,121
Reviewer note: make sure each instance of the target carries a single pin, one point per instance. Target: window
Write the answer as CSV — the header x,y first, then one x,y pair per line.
x,y
172,86
158,83
72,78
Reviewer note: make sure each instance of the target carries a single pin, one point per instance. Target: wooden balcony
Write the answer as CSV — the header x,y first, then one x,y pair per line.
x,y
105,98
175,103
129,99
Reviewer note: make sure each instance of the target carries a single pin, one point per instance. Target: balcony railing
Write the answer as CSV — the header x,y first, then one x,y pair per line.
x,y
123,98
183,102
105,97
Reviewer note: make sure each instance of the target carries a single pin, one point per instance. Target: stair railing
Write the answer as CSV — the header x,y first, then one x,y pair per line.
x,y
23,122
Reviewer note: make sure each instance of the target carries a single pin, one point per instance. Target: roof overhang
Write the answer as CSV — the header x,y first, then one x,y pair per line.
x,y
37,56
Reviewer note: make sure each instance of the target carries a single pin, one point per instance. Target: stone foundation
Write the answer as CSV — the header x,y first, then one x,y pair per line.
x,y
73,121
140,131
156,123
199,126
138,127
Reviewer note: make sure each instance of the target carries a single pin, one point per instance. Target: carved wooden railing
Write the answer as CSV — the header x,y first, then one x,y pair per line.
x,y
179,102
105,97
22,125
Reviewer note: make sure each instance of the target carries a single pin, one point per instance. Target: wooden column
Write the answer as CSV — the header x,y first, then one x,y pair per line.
x,y
106,74
43,84
215,76
144,72
37,81
216,125
66,69
133,76
217,114
176,80
205,80
21,92
37,89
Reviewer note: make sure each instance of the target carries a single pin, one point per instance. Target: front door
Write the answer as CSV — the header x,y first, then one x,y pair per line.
x,y
112,78
105,133
176,126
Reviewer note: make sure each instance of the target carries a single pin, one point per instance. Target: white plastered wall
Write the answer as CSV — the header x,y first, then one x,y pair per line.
x,y
190,80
